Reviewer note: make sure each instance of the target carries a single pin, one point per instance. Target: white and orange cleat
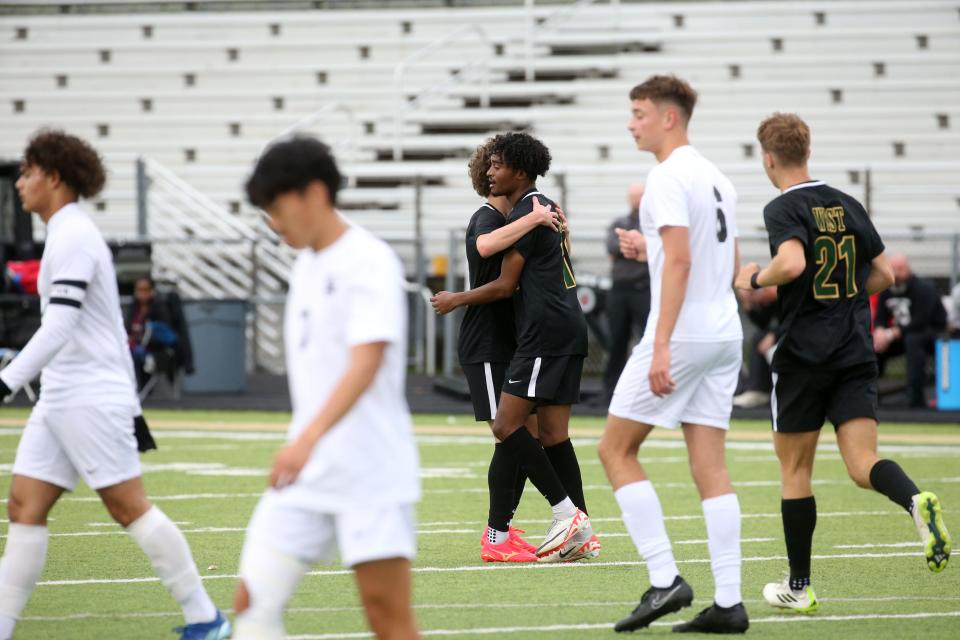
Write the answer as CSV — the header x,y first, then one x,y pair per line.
x,y
560,533
582,546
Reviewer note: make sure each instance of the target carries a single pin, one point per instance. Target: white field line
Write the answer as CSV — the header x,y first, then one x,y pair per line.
x,y
87,615
491,567
456,439
878,545
606,626
476,526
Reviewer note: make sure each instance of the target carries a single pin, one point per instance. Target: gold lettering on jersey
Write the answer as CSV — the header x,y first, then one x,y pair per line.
x,y
829,219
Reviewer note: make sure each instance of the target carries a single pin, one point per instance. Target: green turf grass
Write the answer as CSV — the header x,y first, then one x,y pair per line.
x,y
452,515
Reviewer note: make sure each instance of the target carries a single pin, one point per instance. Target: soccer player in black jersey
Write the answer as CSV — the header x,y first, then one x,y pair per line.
x,y
486,344
551,344
827,260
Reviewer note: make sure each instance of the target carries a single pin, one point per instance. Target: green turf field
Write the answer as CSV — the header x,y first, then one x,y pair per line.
x,y
210,469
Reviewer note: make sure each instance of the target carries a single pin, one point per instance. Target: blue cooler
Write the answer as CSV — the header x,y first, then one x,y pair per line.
x,y
948,374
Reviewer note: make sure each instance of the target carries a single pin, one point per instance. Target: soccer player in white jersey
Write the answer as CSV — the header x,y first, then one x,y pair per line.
x,y
83,423
347,478
685,368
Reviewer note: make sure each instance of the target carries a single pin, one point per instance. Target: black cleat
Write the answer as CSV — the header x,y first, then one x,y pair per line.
x,y
716,619
656,603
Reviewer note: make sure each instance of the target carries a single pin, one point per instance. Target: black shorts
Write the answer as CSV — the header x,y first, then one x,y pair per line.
x,y
548,380
803,399
485,380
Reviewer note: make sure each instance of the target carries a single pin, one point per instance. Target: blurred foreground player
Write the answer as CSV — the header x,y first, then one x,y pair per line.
x,y
83,425
827,260
347,479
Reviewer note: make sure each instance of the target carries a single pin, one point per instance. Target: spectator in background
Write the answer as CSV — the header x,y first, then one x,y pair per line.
x,y
910,316
760,306
157,332
628,301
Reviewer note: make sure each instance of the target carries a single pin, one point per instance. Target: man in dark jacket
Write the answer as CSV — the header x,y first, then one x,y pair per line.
x,y
628,302
910,316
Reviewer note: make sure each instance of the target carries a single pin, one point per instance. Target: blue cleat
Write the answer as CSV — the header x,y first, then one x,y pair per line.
x,y
217,629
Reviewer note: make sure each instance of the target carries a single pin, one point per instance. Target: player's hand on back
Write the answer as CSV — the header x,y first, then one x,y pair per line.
x,y
444,302
742,280
661,382
546,216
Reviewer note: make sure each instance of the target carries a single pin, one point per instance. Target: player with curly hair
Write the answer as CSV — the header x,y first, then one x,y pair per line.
x,y
486,343
85,422
544,371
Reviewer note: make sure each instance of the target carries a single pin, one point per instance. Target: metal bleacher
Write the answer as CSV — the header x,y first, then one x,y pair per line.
x,y
202,92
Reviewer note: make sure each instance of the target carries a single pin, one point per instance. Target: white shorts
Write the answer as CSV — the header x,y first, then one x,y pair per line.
x,y
705,374
95,443
366,534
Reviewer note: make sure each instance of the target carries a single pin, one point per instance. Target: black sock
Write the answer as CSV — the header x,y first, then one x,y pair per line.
x,y
799,521
564,461
518,488
500,481
534,462
889,479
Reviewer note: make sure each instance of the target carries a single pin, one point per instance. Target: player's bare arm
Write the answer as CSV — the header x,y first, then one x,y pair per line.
x,y
676,272
881,275
633,245
786,266
506,236
365,360
503,287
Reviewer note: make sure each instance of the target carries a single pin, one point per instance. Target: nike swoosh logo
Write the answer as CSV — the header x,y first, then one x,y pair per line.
x,y
567,554
656,602
512,381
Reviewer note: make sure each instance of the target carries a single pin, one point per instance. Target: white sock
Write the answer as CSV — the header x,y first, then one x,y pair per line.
x,y
723,538
641,512
20,568
270,577
497,537
564,509
170,556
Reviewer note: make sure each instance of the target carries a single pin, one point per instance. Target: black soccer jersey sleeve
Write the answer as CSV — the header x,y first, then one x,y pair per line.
x,y
488,221
530,242
784,223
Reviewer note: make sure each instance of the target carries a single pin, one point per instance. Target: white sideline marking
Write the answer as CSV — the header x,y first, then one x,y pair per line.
x,y
607,626
698,516
878,545
491,567
84,615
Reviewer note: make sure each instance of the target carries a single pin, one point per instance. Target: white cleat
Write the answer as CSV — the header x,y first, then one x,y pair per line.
x,y
582,546
780,595
560,533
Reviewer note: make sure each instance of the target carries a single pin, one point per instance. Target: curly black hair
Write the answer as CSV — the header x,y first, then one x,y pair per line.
x,y
523,152
73,159
290,165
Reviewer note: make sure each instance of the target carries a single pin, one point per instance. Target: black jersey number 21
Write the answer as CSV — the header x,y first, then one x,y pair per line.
x,y
721,219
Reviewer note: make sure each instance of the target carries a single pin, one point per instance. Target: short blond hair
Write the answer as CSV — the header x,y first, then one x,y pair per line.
x,y
787,137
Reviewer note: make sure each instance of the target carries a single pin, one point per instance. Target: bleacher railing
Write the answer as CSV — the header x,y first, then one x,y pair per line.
x,y
211,254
